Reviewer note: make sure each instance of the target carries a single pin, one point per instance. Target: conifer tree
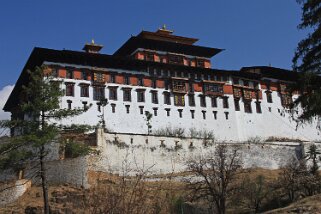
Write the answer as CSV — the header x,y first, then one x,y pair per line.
x,y
307,61
38,127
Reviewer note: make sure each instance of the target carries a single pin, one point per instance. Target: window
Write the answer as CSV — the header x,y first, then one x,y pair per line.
x,y
202,101
247,106
258,107
99,106
175,59
84,90
84,75
270,109
113,107
226,115
179,100
286,100
191,100
69,104
214,102
112,78
153,83
204,115
127,95
180,112
167,111
215,115
269,96
167,98
99,93
141,109
154,97
140,96
191,87
179,86
200,63
70,89
113,93
225,102
127,108
213,89
126,80
140,81
155,111
99,77
85,105
166,84
237,104
193,114
69,74
149,56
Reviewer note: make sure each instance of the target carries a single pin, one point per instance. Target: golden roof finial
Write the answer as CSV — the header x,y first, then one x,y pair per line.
x,y
164,27
92,41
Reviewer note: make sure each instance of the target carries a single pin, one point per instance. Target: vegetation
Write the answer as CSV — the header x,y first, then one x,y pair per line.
x,y
307,61
36,127
148,119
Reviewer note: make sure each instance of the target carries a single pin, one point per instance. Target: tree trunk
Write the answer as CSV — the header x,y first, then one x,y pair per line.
x,y
44,181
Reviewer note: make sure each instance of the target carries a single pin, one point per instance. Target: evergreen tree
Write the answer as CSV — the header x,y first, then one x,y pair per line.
x,y
307,61
37,127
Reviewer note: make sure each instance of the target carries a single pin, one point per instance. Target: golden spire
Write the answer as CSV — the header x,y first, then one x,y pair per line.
x,y
92,41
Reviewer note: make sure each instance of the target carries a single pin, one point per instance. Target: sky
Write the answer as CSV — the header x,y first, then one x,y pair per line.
x,y
252,32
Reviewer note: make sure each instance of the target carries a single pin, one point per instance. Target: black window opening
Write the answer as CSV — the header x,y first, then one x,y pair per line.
x,y
269,96
140,81
155,111
99,106
202,101
191,100
237,104
247,106
99,93
113,107
191,87
204,115
226,115
112,93
180,113
126,80
69,104
258,107
168,110
85,105
214,102
167,98
154,97
127,95
225,102
141,109
193,114
215,115
127,108
70,89
153,83
140,96
69,74
84,75
84,90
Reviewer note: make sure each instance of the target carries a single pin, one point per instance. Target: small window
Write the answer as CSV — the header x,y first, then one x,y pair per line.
x,y
112,93
69,104
84,75
214,102
202,101
191,100
247,107
191,87
113,107
154,97
179,100
215,115
225,102
193,114
226,115
112,78
140,81
70,89
126,80
258,107
127,108
99,93
204,115
180,112
269,96
166,84
141,109
155,111
270,109
127,95
85,105
167,111
99,106
140,96
84,90
167,98
153,83
237,104
69,74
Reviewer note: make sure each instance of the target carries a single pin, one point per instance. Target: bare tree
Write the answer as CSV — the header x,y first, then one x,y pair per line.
x,y
213,176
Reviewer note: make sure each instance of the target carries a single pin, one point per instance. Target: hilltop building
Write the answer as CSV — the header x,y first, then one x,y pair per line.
x,y
172,78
